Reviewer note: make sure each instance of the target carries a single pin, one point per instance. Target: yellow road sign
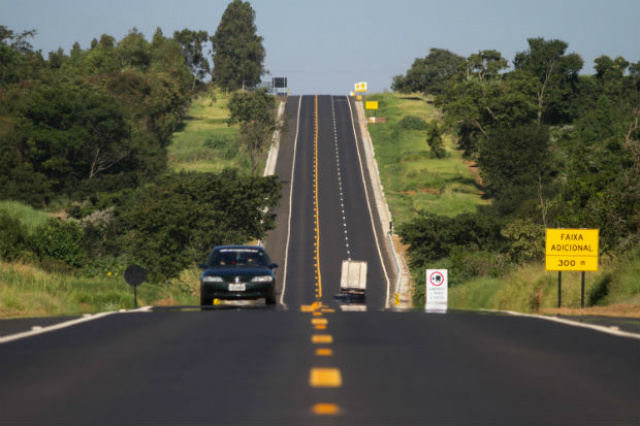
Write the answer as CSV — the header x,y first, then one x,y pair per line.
x,y
371,105
572,249
361,87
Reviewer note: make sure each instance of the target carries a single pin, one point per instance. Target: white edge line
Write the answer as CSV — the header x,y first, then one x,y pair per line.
x,y
366,193
293,168
83,319
600,328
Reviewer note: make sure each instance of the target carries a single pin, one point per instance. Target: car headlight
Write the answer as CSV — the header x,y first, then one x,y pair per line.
x,y
262,279
212,279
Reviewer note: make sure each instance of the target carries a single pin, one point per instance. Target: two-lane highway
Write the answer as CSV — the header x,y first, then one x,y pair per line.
x,y
307,362
330,218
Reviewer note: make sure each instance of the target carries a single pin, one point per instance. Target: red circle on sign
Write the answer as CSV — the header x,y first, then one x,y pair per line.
x,y
439,279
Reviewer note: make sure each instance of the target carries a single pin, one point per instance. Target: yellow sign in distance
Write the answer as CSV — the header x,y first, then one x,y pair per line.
x,y
361,87
371,105
572,249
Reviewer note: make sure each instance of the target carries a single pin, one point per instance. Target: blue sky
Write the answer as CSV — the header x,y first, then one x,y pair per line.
x,y
326,46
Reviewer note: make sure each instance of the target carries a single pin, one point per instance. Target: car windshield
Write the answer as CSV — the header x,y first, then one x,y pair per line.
x,y
238,257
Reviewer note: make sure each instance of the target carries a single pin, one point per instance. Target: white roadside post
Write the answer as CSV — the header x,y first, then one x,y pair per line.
x,y
437,291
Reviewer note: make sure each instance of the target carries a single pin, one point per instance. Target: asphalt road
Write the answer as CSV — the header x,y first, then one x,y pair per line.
x,y
306,362
329,206
254,366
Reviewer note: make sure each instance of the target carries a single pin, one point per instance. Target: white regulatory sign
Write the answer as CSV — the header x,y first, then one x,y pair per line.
x,y
437,291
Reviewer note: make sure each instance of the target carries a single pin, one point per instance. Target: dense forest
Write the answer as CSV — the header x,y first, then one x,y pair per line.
x,y
554,149
85,134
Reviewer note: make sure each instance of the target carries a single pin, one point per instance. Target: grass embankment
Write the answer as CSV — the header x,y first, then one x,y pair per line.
x,y
205,143
29,291
413,181
612,291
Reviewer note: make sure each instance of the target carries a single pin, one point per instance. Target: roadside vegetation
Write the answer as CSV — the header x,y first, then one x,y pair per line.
x,y
539,146
122,153
204,141
413,179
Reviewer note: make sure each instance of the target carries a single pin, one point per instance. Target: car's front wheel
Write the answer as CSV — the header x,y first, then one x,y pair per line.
x,y
206,301
270,299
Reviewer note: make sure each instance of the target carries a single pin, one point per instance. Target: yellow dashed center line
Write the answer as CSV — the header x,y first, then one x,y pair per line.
x,y
325,409
325,378
322,339
324,352
320,377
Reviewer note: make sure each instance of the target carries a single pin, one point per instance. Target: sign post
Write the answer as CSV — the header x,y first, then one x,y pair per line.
x,y
372,105
135,275
571,250
437,291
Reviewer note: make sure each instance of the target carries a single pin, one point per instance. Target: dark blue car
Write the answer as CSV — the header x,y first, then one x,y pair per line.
x,y
238,273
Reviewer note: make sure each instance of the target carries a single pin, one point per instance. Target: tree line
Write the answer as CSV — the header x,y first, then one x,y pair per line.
x,y
554,149
88,131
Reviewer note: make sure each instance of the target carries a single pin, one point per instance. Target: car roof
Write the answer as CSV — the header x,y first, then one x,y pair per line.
x,y
238,246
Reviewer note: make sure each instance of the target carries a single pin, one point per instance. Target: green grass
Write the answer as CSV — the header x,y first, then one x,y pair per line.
x,y
29,216
529,288
26,291
412,180
205,121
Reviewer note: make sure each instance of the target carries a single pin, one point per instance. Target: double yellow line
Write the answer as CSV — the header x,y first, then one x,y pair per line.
x,y
316,212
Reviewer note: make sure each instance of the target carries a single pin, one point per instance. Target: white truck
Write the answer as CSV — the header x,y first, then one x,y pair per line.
x,y
353,282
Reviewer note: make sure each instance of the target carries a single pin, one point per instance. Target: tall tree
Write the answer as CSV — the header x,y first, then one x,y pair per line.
x,y
429,74
554,71
192,43
238,52
479,98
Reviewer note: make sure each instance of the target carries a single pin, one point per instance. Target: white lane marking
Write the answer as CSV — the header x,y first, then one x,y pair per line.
x,y
41,330
85,318
600,328
366,193
293,168
340,189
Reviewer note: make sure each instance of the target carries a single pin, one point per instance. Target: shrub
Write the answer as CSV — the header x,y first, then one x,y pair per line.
x,y
13,236
58,241
470,263
168,226
432,237
434,140
222,145
411,122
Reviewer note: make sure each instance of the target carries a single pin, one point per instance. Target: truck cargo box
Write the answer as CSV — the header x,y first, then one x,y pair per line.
x,y
353,282
354,276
